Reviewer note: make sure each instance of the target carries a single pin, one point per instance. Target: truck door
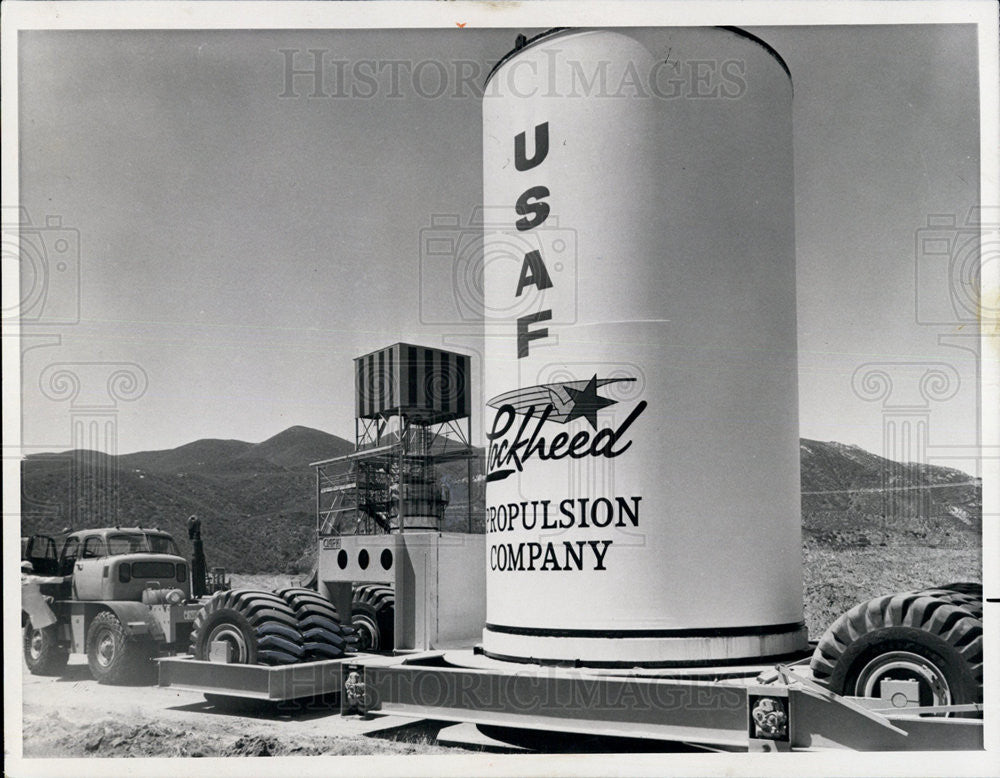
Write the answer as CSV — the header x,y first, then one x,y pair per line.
x,y
88,569
71,548
40,550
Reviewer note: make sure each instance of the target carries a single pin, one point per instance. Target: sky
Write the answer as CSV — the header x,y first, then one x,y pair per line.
x,y
233,240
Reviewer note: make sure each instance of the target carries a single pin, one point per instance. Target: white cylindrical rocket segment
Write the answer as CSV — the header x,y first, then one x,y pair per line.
x,y
639,270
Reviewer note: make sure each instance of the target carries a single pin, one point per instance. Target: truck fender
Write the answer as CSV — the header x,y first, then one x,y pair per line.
x,y
135,618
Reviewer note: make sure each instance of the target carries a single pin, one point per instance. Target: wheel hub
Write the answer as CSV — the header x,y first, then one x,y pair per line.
x,y
35,647
106,649
368,633
904,666
229,634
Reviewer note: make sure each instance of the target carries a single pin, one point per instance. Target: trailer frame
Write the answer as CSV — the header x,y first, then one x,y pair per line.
x,y
718,713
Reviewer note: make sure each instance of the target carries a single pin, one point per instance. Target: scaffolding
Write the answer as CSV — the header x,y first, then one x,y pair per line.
x,y
411,420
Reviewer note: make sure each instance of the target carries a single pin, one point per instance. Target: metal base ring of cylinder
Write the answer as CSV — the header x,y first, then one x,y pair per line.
x,y
645,648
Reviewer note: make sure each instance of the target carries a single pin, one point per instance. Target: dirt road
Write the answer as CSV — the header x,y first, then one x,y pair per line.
x,y
75,716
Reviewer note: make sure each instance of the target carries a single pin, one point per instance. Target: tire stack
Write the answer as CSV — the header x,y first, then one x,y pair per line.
x,y
323,636
933,636
271,628
373,609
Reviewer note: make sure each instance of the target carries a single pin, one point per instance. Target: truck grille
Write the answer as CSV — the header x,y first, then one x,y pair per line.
x,y
152,569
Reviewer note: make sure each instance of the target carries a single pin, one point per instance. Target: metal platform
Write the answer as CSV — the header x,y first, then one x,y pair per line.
x,y
781,712
253,682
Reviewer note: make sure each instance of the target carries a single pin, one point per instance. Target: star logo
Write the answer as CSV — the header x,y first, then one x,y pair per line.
x,y
565,401
587,402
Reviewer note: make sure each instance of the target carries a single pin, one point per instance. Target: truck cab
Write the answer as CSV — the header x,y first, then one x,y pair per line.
x,y
120,563
118,594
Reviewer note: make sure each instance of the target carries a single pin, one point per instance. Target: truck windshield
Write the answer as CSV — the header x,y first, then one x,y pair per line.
x,y
135,543
162,544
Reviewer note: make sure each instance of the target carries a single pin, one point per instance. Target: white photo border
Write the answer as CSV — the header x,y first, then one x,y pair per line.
x,y
18,16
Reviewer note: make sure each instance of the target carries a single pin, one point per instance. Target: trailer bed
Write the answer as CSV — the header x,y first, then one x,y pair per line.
x,y
697,709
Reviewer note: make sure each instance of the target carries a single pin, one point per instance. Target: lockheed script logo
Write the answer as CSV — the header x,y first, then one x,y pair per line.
x,y
561,403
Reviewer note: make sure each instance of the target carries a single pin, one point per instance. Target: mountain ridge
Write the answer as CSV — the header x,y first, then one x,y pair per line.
x,y
257,500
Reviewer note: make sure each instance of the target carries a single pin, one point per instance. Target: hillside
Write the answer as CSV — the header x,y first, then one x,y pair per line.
x,y
256,500
851,497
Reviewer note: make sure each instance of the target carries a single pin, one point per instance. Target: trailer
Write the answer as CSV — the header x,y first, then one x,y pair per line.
x,y
435,668
400,605
725,709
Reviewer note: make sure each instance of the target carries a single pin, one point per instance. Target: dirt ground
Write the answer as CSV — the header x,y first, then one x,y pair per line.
x,y
75,716
837,580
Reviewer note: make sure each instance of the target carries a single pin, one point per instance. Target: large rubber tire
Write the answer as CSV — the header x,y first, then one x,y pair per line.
x,y
259,626
904,636
974,588
968,596
372,615
113,656
297,596
323,636
42,653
